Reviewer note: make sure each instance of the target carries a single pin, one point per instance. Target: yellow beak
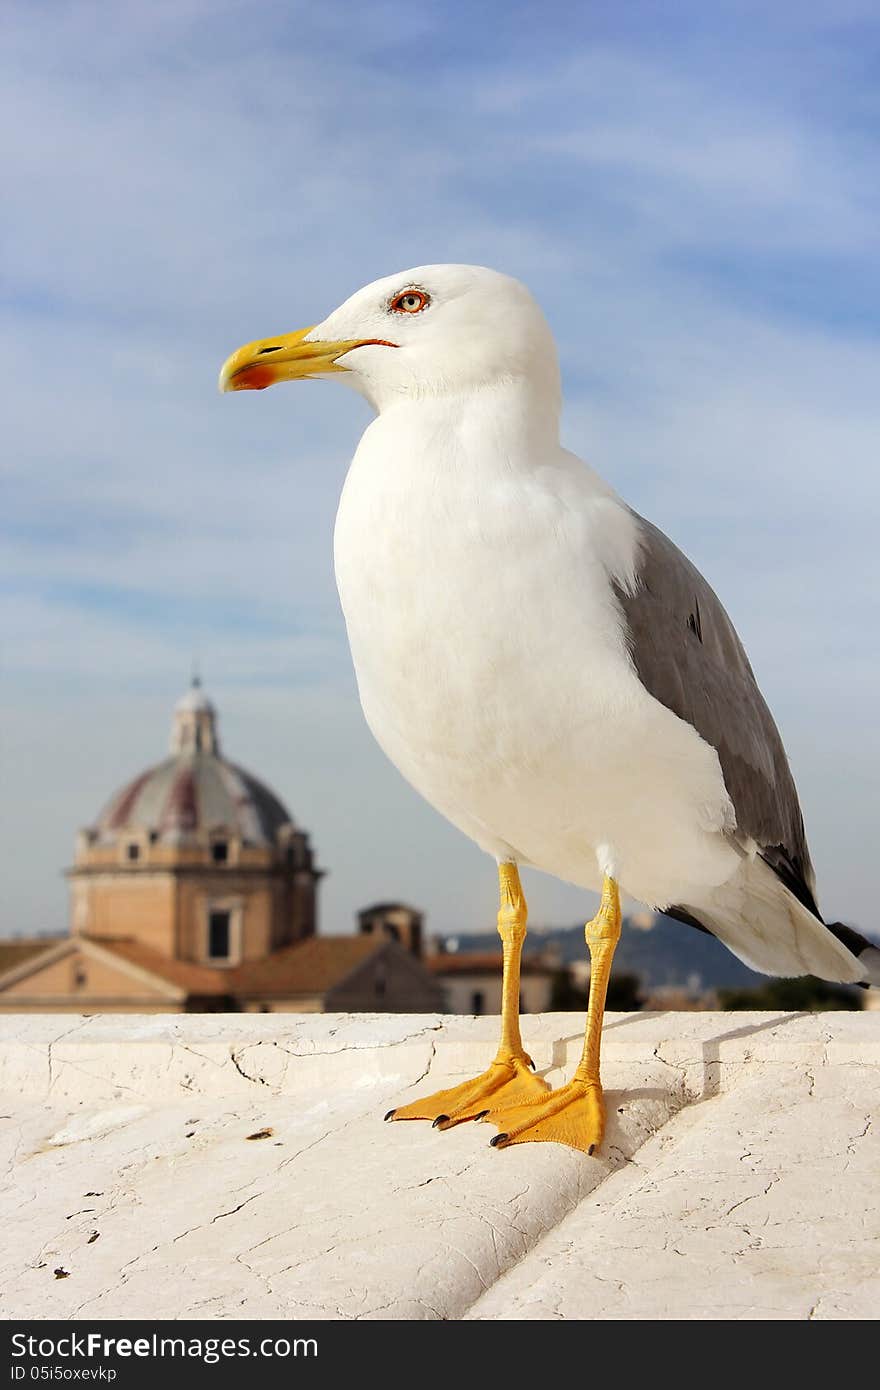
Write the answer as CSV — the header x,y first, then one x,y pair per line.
x,y
286,358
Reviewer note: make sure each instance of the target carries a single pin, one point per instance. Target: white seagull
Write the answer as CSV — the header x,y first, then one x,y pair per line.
x,y
544,665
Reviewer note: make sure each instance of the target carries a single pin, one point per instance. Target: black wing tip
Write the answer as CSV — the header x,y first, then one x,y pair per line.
x,y
852,939
681,914
793,874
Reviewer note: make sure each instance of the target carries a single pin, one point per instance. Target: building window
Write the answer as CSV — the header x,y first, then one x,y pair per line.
x,y
218,935
133,852
478,1001
380,984
220,852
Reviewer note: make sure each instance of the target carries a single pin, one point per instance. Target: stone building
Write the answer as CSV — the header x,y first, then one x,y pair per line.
x,y
396,922
471,981
194,889
198,859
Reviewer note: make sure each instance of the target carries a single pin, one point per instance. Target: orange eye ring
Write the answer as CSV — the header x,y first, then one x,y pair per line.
x,y
409,302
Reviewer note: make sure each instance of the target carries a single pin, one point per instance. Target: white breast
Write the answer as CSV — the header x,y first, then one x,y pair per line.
x,y
491,662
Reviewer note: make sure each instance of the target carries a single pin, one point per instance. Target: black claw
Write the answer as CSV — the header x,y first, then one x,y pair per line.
x,y
481,1114
440,1120
591,1148
499,1139
391,1114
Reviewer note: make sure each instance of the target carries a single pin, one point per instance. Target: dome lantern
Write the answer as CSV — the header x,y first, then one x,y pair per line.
x,y
195,723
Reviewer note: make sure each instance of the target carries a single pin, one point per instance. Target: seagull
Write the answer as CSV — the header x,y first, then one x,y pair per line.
x,y
545,667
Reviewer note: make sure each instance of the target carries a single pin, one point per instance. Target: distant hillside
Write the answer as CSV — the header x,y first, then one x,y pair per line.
x,y
669,954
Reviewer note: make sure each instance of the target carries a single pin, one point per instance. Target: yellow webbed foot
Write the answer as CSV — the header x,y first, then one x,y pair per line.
x,y
506,1083
573,1115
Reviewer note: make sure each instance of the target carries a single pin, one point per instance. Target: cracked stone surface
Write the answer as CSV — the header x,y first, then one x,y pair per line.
x,y
226,1166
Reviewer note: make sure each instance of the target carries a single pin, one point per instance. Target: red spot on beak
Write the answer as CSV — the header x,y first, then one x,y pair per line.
x,y
255,378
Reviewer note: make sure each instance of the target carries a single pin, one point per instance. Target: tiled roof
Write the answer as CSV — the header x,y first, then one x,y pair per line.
x,y
309,967
15,953
186,975
483,963
306,968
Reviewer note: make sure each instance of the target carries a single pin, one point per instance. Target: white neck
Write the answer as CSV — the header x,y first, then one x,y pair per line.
x,y
503,423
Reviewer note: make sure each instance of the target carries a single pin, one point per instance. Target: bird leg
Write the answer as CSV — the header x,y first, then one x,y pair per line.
x,y
574,1114
509,1080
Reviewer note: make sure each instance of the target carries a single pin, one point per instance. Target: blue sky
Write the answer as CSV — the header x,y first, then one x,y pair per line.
x,y
691,192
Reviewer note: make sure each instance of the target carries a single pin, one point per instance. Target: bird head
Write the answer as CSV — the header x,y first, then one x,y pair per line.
x,y
437,330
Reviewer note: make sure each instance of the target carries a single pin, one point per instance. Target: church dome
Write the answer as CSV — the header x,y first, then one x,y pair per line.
x,y
195,792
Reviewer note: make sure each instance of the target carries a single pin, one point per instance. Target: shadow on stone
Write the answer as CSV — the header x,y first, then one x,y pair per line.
x,y
712,1048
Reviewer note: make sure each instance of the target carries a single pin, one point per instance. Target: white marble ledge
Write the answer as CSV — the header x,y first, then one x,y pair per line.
x,y
67,1057
739,1177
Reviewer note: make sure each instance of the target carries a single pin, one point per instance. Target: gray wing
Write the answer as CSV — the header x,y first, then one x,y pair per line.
x,y
687,654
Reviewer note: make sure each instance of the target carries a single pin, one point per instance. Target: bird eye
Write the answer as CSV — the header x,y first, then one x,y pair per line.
x,y
409,302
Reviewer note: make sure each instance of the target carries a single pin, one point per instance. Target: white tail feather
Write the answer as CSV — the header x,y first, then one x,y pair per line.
x,y
869,960
757,918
